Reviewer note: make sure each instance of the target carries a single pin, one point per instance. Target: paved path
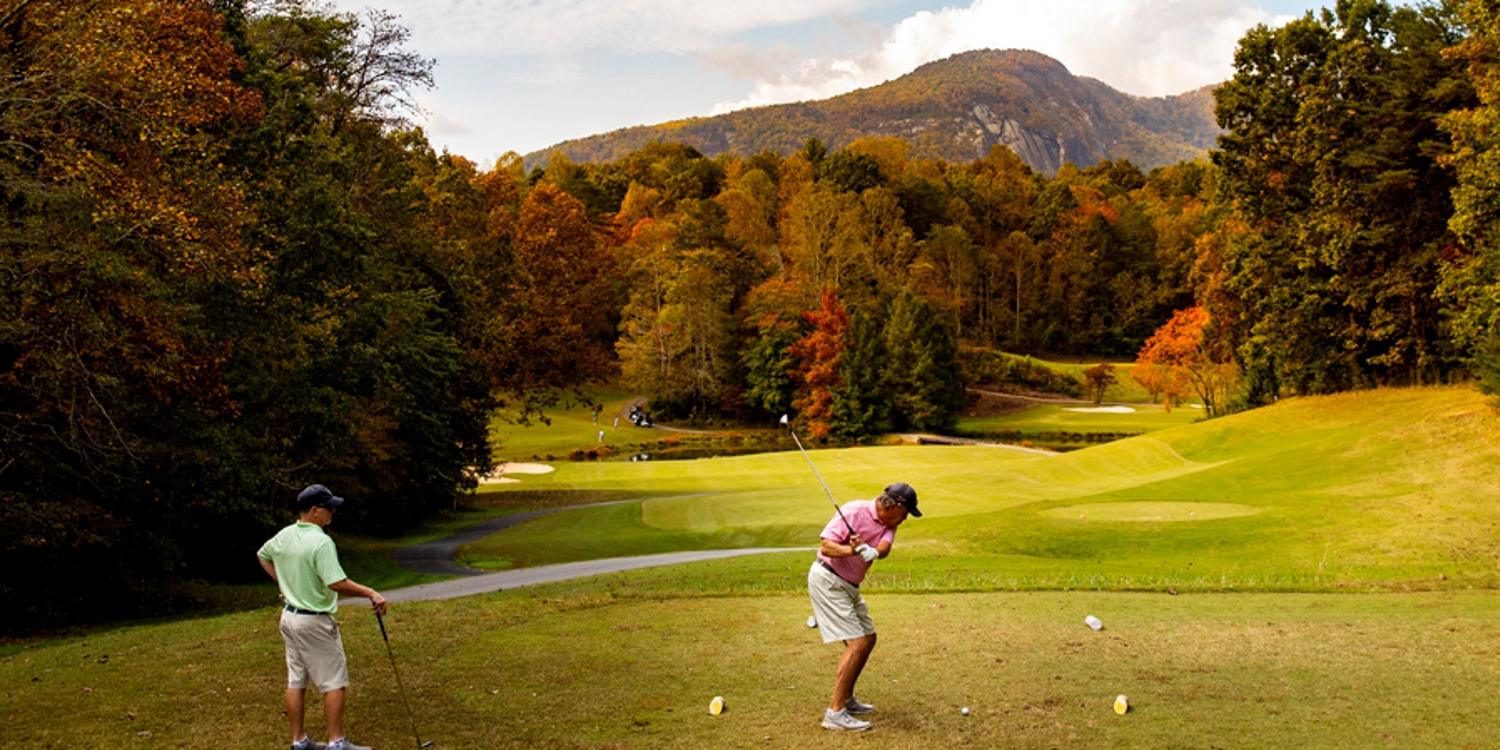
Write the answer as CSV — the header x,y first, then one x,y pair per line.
x,y
436,557
509,579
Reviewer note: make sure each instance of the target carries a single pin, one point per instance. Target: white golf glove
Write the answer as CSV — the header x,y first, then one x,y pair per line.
x,y
867,552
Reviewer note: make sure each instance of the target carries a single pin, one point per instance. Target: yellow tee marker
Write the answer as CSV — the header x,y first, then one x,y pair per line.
x,y
716,706
1121,705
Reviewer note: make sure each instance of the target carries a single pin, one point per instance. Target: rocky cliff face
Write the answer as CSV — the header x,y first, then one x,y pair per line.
x,y
956,109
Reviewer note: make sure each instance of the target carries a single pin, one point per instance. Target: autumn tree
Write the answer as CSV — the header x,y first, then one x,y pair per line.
x,y
1332,120
559,330
773,323
1182,357
819,355
120,228
1098,379
1471,274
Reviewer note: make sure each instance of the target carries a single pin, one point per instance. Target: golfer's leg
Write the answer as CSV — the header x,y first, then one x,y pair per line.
x,y
856,653
296,701
333,709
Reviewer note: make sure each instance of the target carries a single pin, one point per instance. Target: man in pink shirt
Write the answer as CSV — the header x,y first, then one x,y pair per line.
x,y
850,544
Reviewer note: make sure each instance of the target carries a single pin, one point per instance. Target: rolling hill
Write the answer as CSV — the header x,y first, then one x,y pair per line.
x,y
954,109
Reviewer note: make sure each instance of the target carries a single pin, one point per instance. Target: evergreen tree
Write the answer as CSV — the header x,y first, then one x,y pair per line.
x,y
769,365
859,404
920,372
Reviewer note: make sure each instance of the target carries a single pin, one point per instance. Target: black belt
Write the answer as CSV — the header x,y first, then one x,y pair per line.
x,y
825,564
296,611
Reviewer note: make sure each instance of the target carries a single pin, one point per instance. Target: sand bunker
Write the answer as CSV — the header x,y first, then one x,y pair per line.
x,y
1100,409
1151,511
503,470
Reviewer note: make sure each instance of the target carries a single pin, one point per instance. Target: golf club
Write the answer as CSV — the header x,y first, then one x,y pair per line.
x,y
402,688
836,508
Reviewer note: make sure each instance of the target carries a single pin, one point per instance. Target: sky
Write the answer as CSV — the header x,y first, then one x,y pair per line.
x,y
523,75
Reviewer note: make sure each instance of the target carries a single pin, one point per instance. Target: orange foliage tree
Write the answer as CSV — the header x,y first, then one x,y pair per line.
x,y
819,355
1181,358
559,332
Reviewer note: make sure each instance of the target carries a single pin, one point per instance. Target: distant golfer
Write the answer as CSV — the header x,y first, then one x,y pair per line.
x,y
305,565
833,585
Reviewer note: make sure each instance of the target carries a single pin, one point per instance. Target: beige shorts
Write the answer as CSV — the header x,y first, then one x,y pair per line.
x,y
314,652
841,611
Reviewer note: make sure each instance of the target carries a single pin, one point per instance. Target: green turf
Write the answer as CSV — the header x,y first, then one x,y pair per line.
x,y
613,663
1124,389
571,428
1389,488
1376,511
1077,418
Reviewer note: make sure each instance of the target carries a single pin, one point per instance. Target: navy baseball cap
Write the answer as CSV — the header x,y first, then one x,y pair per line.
x,y
317,495
902,493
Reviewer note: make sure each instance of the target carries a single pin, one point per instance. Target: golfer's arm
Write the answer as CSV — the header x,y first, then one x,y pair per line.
x,y
830,548
884,548
350,588
270,569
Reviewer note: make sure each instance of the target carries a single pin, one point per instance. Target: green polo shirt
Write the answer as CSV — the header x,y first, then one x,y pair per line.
x,y
306,563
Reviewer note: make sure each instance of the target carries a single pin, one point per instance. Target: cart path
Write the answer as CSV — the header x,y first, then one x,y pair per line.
x,y
436,557
508,579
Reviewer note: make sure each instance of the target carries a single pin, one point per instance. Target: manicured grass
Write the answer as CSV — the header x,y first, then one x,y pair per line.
x,y
1124,390
1067,418
572,428
1353,607
1384,489
602,664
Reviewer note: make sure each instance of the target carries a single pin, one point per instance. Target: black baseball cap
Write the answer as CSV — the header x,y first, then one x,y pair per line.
x,y
902,493
317,495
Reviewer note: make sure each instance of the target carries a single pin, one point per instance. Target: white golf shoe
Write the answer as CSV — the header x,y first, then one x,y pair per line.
x,y
842,720
854,706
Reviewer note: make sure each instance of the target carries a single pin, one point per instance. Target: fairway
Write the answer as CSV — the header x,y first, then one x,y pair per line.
x,y
1320,573
1392,489
1148,512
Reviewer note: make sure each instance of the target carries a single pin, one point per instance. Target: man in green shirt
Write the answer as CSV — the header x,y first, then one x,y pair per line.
x,y
305,565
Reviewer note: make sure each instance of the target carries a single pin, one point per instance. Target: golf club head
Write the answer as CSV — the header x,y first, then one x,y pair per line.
x,y
784,420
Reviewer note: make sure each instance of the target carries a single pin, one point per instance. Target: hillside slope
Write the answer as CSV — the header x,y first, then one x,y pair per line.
x,y
954,109
1394,487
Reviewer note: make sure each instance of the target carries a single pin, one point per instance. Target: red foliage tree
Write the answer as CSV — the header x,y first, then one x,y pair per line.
x,y
819,355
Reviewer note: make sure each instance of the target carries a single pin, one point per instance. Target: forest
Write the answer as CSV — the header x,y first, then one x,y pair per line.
x,y
233,266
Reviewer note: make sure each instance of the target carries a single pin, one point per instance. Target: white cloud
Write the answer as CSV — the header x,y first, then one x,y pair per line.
x,y
559,28
1143,47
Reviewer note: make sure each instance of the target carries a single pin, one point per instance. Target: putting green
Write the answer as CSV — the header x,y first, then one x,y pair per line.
x,y
1154,512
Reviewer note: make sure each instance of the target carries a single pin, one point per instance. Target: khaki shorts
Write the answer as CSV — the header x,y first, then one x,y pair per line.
x,y
314,652
841,611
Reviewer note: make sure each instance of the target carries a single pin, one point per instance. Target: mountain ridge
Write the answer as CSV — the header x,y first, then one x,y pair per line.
x,y
955,109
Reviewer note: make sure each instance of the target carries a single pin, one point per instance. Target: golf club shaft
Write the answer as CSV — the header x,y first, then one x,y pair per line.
x,y
409,717
814,468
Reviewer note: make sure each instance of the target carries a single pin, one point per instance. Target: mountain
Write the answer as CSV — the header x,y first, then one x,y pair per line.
x,y
954,109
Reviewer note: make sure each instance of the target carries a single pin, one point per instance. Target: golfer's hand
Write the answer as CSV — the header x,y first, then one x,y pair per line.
x,y
867,553
855,543
377,602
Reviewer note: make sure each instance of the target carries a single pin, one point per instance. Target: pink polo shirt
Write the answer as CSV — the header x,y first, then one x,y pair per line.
x,y
861,515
